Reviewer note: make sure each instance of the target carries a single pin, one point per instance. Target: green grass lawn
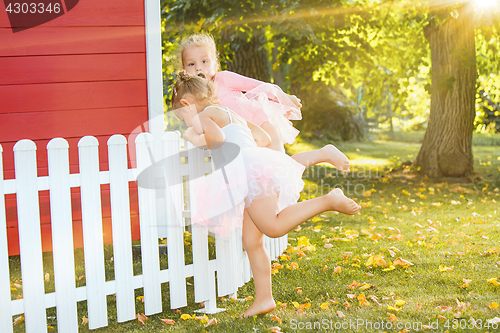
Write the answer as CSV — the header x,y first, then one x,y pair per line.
x,y
421,252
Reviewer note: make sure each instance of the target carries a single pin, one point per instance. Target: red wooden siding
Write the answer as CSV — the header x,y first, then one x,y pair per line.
x,y
78,68
83,73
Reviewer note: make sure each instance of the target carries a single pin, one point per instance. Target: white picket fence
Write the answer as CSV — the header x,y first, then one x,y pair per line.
x,y
161,214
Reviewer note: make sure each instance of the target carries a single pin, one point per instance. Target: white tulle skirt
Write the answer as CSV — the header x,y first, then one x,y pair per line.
x,y
256,173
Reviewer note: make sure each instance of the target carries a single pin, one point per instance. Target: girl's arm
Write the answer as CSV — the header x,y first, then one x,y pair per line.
x,y
196,139
234,81
214,136
260,136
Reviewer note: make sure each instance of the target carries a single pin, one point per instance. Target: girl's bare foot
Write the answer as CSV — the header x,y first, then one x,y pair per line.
x,y
341,203
336,158
259,307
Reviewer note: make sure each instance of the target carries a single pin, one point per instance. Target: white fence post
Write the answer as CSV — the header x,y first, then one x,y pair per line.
x,y
174,205
199,234
122,230
149,228
88,154
62,235
5,296
222,253
30,241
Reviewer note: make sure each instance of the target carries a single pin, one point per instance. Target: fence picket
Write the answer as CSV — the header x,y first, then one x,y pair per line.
x,y
225,282
30,241
240,259
175,225
235,263
199,234
122,231
247,272
5,308
149,228
284,243
88,155
62,235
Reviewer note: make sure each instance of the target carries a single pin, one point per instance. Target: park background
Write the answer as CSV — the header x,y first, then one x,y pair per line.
x,y
410,92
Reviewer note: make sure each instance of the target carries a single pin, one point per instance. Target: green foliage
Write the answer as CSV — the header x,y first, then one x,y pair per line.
x,y
375,52
488,104
329,114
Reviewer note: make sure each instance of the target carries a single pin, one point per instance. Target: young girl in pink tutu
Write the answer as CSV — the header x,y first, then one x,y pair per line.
x,y
258,190
262,103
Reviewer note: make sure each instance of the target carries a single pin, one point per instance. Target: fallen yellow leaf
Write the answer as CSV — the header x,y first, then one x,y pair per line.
x,y
353,285
18,320
493,305
141,318
362,300
324,306
303,241
402,262
377,236
445,269
211,322
365,286
168,321
493,281
275,318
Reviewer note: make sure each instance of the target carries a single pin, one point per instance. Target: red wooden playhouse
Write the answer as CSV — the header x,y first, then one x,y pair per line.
x,y
95,69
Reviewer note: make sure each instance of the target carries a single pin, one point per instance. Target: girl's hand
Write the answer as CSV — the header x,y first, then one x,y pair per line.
x,y
295,100
196,139
189,134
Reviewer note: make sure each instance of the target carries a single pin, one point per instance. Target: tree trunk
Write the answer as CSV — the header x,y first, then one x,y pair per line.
x,y
447,146
250,56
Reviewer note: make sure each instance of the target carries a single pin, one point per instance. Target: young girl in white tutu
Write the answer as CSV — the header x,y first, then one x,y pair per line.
x,y
261,103
257,190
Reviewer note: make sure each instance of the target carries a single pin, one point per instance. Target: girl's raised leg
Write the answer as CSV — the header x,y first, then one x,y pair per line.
x,y
273,223
329,154
260,263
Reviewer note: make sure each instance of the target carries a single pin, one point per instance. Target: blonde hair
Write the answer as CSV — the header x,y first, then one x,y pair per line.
x,y
196,85
203,40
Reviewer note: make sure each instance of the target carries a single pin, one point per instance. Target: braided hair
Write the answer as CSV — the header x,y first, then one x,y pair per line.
x,y
196,85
